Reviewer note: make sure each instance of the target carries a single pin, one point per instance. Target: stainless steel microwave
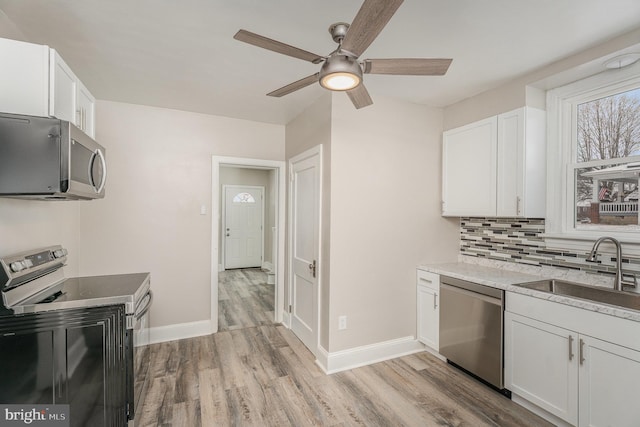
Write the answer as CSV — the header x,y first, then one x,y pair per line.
x,y
49,159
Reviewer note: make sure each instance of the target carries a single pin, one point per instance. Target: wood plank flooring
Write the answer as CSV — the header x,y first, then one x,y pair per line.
x,y
263,376
244,299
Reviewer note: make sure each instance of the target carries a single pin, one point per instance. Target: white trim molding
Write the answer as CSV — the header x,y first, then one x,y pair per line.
x,y
355,357
179,331
279,268
560,230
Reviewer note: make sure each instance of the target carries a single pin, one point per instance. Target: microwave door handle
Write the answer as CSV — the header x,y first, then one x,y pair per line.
x,y
104,170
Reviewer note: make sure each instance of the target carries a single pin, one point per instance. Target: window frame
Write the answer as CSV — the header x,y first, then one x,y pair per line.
x,y
562,103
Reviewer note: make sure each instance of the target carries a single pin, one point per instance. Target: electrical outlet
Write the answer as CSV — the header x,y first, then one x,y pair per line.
x,y
342,323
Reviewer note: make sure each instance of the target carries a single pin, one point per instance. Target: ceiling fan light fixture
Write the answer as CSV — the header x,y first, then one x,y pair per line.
x,y
340,81
340,73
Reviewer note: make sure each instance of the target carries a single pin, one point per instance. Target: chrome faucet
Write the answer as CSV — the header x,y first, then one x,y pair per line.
x,y
619,282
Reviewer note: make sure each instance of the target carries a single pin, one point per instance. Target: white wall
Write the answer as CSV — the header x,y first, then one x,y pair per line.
x,y
9,30
30,224
159,176
385,217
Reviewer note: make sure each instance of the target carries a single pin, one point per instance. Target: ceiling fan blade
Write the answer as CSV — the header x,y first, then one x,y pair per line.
x,y
370,20
276,46
292,87
408,66
360,96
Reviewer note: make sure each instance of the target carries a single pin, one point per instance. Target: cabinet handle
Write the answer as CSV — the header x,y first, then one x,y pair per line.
x,y
570,347
581,351
518,201
435,300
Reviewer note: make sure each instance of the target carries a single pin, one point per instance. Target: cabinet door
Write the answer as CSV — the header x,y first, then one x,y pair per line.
x,y
428,317
521,163
510,180
469,169
609,384
62,89
85,111
541,365
24,78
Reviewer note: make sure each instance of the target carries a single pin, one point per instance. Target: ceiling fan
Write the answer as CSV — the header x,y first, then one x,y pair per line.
x,y
341,70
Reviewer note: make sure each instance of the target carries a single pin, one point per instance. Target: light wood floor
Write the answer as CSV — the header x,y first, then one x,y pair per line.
x,y
244,299
256,373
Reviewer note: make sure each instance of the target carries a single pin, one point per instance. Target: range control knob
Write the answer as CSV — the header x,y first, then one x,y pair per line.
x,y
17,266
59,253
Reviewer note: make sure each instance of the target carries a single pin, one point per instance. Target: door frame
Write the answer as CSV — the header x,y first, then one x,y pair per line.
x,y
280,190
223,221
316,150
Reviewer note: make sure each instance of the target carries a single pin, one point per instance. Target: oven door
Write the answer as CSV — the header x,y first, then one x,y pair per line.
x,y
138,358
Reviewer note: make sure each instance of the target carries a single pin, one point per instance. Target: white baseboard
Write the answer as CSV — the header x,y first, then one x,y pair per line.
x,y
179,331
366,355
267,266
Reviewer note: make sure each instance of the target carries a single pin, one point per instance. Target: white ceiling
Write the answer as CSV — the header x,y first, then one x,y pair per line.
x,y
182,55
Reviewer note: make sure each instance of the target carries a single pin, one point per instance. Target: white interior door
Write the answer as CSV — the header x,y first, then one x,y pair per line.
x,y
305,193
243,226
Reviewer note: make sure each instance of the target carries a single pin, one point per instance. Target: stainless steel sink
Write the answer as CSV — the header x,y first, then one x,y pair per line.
x,y
591,293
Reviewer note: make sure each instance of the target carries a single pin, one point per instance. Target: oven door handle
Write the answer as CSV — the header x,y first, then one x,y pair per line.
x,y
149,297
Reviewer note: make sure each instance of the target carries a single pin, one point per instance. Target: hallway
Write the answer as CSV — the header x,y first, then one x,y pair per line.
x,y
244,299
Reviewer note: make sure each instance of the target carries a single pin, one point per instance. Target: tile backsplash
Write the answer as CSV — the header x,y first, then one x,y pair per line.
x,y
520,241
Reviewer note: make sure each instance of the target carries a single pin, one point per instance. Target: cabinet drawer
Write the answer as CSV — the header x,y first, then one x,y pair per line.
x,y
428,279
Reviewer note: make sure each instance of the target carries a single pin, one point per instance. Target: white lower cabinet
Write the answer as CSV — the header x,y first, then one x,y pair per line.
x,y
582,380
541,365
609,384
428,290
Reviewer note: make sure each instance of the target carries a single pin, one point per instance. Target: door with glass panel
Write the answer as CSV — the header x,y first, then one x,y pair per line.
x,y
242,226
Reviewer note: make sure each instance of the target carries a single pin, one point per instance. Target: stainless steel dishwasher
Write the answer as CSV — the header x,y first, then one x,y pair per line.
x,y
471,324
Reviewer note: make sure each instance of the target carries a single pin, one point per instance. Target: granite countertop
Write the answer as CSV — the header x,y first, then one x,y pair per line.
x,y
507,280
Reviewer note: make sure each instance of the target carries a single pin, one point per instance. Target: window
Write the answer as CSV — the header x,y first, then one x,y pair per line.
x,y
243,198
605,175
594,154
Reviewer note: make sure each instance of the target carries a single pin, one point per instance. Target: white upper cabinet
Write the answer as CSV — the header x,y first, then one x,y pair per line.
x,y
521,163
496,166
85,110
63,89
24,78
469,169
35,80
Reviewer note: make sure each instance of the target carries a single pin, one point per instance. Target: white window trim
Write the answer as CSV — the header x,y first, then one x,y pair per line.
x,y
560,231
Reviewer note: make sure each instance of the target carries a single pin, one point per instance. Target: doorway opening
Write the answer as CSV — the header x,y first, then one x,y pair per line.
x,y
251,258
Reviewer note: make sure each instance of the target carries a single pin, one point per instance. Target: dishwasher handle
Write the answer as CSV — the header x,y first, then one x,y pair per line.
x,y
486,298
